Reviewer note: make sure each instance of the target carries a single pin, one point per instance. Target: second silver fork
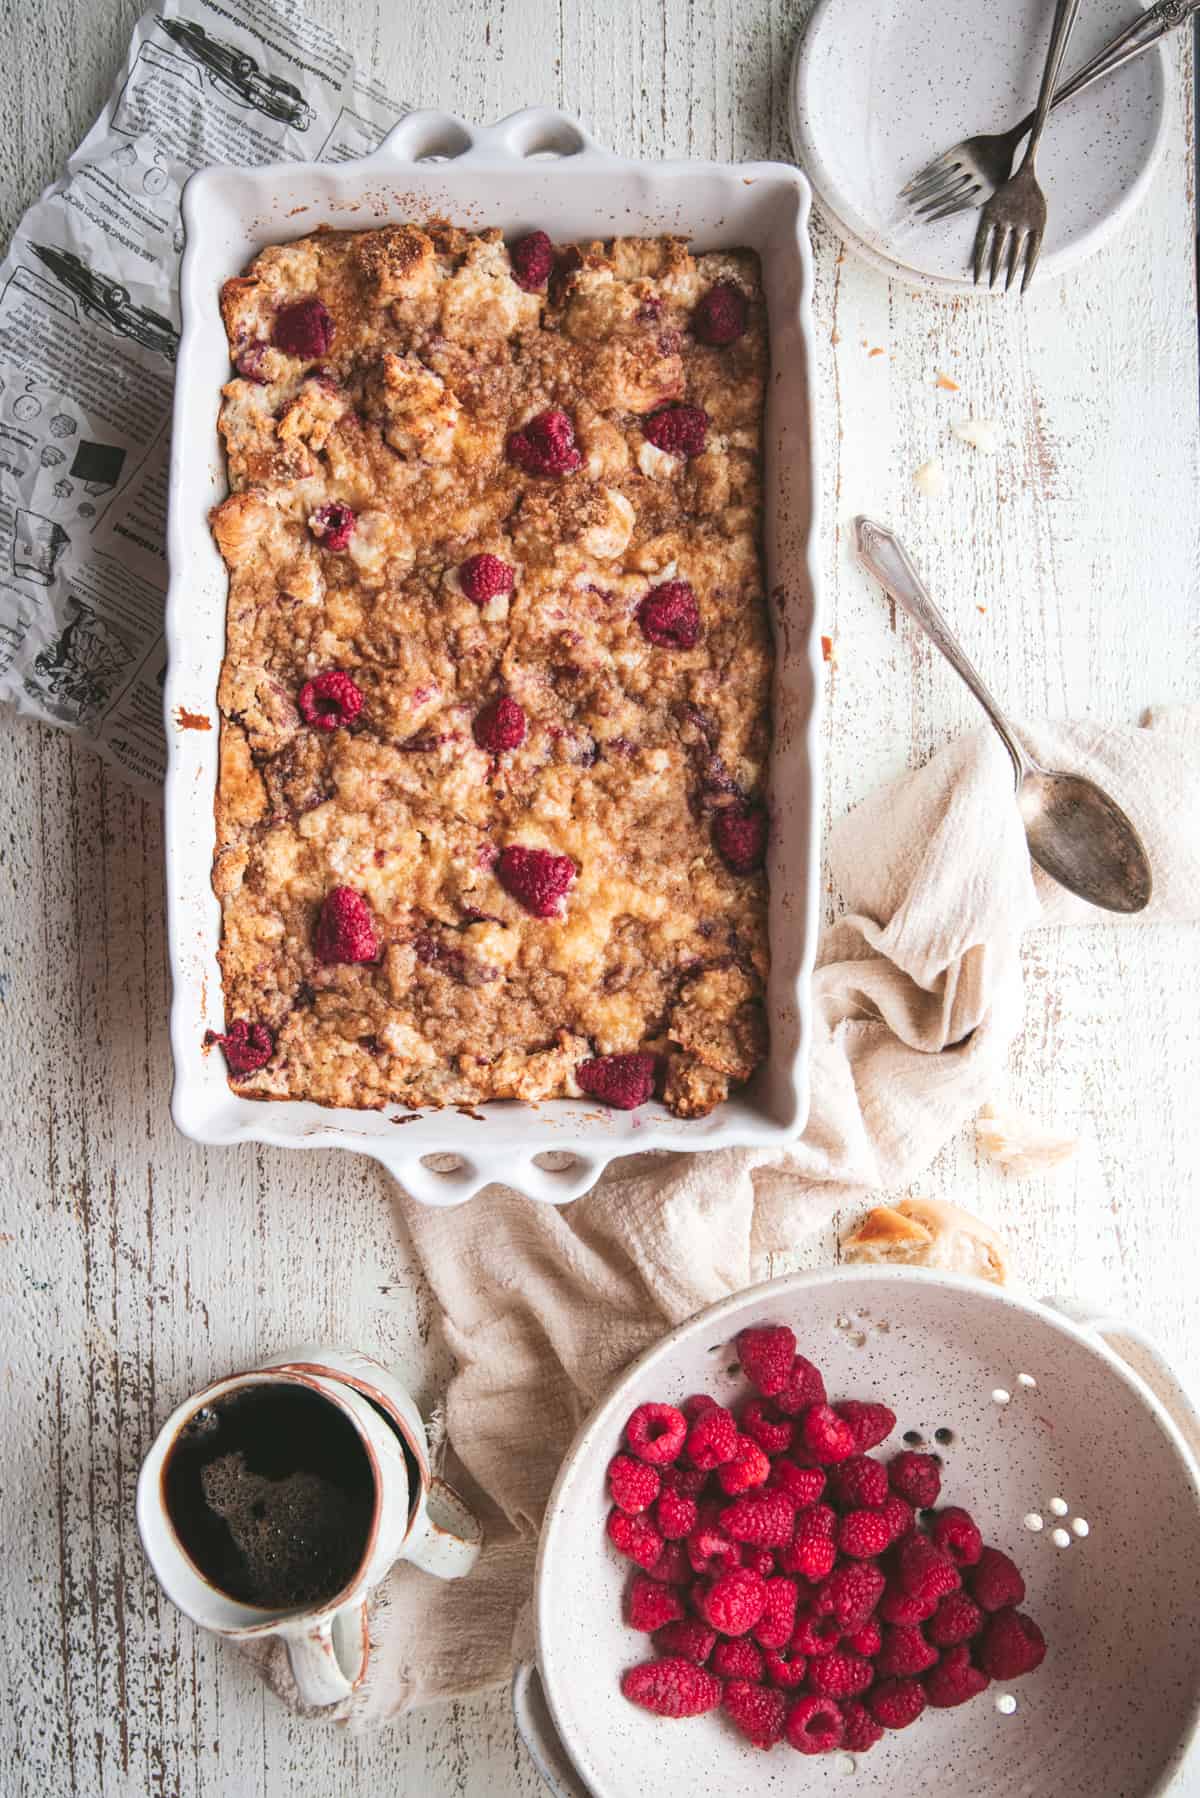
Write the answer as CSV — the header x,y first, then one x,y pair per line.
x,y
1013,223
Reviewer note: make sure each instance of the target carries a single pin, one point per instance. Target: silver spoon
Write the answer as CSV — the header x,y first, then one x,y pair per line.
x,y
1076,833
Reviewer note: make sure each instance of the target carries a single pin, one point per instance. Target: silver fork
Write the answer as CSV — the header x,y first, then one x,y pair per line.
x,y
1013,222
969,174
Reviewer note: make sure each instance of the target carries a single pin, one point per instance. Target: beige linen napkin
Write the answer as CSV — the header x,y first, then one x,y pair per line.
x,y
916,1000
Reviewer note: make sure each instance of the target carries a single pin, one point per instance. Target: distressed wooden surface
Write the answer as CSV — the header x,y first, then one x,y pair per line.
x,y
135,1266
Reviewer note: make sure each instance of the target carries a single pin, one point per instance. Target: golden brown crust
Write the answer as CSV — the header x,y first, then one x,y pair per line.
x,y
930,1233
437,355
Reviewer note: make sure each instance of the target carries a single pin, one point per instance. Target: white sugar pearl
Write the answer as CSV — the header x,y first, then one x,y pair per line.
x,y
1033,1521
1026,1379
1059,1506
1006,1704
1001,1397
1060,1538
1081,1526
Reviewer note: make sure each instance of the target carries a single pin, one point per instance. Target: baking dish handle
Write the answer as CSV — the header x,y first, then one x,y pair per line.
x,y
452,1179
430,136
1145,1358
535,1726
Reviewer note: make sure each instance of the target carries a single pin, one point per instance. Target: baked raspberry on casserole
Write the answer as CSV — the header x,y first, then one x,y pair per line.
x,y
494,703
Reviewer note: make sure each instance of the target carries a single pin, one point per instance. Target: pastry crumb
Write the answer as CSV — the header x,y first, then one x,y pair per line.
x,y
931,479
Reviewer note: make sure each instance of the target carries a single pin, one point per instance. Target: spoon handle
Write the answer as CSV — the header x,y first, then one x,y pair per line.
x,y
883,555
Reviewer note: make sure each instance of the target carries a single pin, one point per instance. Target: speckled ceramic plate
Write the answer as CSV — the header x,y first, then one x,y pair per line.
x,y
1111,1711
879,87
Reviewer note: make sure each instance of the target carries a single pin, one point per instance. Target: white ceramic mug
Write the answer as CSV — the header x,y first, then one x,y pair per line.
x,y
415,1517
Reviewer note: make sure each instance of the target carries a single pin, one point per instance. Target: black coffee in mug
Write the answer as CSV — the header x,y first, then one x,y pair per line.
x,y
271,1493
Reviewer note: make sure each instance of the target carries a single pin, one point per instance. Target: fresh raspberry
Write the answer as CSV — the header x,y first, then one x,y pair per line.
x,y
246,1046
812,1550
655,1433
749,1467
824,1435
896,1703
546,445
672,1567
956,1619
925,1572
635,1537
861,1732
539,880
814,1725
1011,1644
675,1516
669,616
330,699
760,1422
756,1711
305,328
711,1551
651,1605
622,1081
860,1483
760,1560
840,1675
815,1634
804,1387
740,834
499,726
484,577
955,1532
345,929
785,1667
765,1519
995,1582
720,317
633,1485
871,1423
899,1606
905,1652
863,1534
737,1657
954,1680
677,430
689,1482
734,1602
713,1439
898,1514
687,1639
695,1403
804,1484
332,525
532,258
673,1688
774,1628
851,1594
866,1641
916,1478
766,1354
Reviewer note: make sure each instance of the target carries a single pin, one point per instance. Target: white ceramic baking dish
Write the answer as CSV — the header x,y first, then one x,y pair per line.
x,y
535,170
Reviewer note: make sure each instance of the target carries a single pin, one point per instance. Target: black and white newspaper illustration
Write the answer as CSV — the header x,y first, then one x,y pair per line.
x,y
89,328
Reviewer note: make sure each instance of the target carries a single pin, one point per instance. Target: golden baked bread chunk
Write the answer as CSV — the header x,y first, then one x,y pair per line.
x,y
495,697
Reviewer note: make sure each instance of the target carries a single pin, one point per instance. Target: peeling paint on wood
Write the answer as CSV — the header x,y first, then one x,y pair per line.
x,y
135,1267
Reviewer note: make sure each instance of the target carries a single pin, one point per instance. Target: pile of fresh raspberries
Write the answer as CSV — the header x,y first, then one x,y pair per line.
x,y
785,1576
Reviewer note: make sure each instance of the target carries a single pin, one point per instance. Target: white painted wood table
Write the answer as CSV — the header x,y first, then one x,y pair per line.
x,y
135,1266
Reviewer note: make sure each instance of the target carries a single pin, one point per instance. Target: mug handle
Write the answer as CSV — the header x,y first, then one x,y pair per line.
x,y
330,1657
449,1537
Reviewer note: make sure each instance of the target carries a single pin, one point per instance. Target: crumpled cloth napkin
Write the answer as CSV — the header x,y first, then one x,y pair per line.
x,y
916,1000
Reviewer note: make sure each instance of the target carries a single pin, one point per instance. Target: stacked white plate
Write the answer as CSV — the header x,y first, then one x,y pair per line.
x,y
880,87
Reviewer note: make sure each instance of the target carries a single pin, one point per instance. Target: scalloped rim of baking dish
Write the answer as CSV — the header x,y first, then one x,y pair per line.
x,y
535,169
